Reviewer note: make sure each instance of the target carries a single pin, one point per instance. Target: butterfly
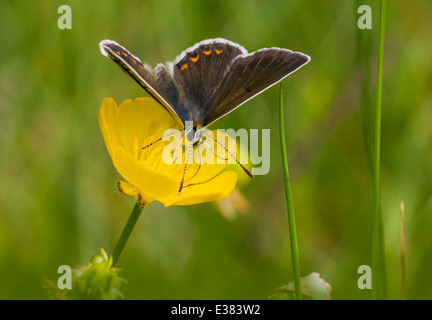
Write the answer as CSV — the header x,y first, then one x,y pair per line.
x,y
208,80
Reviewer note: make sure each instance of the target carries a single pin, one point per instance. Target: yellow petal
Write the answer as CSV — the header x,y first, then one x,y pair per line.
x,y
142,118
217,188
108,124
153,183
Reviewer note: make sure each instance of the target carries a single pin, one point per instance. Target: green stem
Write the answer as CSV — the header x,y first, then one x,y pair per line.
x,y
133,218
403,268
290,206
378,259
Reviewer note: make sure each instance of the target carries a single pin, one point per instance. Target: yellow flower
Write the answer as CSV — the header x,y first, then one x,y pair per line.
x,y
132,125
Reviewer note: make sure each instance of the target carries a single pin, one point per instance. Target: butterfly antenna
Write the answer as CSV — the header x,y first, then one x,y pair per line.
x,y
245,170
184,170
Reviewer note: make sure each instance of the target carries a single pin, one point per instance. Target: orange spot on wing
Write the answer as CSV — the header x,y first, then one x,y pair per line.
x,y
133,60
124,54
218,51
207,52
118,52
194,59
142,67
183,67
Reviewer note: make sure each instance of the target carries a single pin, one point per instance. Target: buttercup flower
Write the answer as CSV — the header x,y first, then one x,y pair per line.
x,y
133,125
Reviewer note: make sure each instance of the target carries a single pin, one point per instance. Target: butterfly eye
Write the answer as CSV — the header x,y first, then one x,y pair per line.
x,y
190,134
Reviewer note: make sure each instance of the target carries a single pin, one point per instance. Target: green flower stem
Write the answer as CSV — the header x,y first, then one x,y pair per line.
x,y
290,207
378,259
136,212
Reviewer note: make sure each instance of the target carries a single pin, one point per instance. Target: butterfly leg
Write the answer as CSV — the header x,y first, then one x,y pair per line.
x,y
245,170
184,170
157,140
225,159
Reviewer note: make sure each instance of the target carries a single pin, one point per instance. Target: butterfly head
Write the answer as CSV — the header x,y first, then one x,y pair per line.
x,y
193,134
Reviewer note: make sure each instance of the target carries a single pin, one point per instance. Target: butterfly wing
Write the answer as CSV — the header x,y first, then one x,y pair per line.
x,y
199,71
210,79
249,75
161,87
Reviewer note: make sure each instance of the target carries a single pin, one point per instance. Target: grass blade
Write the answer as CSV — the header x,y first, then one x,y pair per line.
x,y
378,258
289,200
403,270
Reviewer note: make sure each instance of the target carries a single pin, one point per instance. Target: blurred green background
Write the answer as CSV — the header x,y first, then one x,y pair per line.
x,y
58,199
